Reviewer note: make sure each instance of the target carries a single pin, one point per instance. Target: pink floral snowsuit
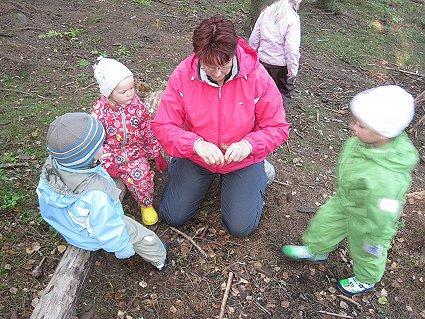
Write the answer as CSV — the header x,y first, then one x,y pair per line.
x,y
129,143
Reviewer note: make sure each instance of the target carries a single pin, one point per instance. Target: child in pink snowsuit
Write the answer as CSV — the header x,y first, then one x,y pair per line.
x,y
130,141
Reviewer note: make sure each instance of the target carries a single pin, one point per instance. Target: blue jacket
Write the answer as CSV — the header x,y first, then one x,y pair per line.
x,y
90,220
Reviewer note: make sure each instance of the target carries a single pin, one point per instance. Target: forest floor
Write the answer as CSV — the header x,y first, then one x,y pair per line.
x,y
46,52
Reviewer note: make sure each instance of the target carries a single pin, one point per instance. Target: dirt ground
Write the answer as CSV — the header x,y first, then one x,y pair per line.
x,y
152,40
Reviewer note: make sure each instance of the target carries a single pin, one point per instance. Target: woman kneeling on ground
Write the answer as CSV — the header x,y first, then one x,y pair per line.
x,y
221,115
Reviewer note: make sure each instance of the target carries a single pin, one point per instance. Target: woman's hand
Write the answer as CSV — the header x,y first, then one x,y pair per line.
x,y
237,152
209,152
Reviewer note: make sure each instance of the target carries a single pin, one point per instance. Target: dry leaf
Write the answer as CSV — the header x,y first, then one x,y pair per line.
x,y
13,290
285,275
61,248
28,265
285,304
231,310
34,247
343,305
34,302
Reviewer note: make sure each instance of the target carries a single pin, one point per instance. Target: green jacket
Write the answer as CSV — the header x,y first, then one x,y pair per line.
x,y
372,182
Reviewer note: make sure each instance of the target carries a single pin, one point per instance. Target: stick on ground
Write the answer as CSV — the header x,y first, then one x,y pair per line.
x,y
226,295
335,314
191,241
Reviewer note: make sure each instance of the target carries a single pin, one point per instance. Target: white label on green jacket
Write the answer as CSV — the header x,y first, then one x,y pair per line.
x,y
389,205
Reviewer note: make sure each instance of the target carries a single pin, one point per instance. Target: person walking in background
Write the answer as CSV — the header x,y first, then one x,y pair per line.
x,y
130,141
373,175
276,36
221,115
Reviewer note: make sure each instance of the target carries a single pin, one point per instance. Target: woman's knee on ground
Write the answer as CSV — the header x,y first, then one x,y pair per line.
x,y
174,215
241,227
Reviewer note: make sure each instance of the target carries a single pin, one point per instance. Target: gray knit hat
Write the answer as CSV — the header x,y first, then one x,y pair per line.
x,y
73,139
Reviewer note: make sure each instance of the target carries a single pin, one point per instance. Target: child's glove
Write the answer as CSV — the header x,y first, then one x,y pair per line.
x,y
161,164
125,253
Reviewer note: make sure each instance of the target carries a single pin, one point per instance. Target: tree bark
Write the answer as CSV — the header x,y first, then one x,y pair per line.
x,y
60,297
254,12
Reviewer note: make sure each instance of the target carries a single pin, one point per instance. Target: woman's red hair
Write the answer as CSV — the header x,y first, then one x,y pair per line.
x,y
214,41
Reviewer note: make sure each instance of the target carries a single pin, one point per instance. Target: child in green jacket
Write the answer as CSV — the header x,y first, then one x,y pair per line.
x,y
373,176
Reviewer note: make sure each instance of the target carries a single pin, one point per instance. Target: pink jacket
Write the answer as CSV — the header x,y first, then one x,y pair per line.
x,y
278,43
248,106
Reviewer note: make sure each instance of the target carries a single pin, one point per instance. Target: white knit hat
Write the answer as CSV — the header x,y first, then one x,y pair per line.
x,y
109,73
386,110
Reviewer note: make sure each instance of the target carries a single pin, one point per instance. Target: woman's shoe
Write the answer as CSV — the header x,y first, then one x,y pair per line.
x,y
149,215
302,253
351,286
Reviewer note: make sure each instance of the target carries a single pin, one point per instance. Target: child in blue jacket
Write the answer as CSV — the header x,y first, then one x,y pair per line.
x,y
80,200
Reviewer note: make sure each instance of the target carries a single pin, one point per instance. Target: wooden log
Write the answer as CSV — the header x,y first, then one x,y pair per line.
x,y
60,297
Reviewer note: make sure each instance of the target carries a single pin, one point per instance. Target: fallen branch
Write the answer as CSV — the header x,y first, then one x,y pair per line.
x,y
262,308
21,92
334,314
282,183
299,134
405,72
226,295
60,298
190,240
12,165
350,300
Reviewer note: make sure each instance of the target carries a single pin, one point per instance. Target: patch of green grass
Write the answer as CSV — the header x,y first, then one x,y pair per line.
x,y
99,53
383,31
71,34
8,157
122,51
9,200
83,63
143,2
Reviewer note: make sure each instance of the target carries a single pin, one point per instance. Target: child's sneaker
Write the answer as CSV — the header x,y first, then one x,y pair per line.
x,y
302,253
351,286
149,215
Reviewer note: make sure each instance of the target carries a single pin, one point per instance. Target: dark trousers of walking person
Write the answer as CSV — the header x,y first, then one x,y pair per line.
x,y
242,195
285,85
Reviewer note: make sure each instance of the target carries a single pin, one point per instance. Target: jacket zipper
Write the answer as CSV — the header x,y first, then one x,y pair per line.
x,y
124,129
219,117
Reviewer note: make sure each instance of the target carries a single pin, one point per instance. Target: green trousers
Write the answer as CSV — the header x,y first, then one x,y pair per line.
x,y
369,234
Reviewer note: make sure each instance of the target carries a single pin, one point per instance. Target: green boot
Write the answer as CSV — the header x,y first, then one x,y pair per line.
x,y
302,253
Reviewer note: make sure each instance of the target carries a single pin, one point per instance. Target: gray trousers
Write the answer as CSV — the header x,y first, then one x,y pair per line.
x,y
146,243
242,195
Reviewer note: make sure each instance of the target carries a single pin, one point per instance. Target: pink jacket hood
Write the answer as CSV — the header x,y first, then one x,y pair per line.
x,y
248,106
